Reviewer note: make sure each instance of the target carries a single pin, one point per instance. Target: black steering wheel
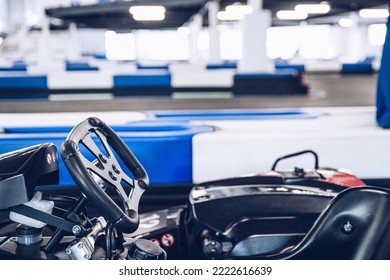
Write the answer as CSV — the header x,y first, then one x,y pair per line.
x,y
104,170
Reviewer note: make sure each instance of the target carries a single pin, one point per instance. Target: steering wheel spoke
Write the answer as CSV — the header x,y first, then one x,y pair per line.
x,y
134,196
92,167
91,146
105,143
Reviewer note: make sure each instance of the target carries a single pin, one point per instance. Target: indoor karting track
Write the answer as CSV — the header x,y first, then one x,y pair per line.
x,y
196,140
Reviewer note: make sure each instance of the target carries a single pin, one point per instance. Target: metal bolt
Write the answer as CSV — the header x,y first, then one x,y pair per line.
x,y
348,227
116,169
102,158
76,229
80,245
68,251
112,175
87,256
142,184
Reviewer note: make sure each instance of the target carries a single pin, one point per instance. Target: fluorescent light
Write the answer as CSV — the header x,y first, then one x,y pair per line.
x,y
234,12
147,13
374,13
345,22
242,9
291,15
322,8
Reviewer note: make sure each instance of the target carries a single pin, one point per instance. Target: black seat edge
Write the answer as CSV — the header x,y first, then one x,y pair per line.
x,y
354,225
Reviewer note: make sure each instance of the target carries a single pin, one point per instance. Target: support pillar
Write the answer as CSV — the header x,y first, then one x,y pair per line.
x,y
74,48
214,43
254,31
357,39
44,53
195,28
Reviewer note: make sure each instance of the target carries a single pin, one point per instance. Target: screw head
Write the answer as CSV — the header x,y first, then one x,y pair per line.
x,y
103,158
112,175
142,184
116,169
347,227
76,229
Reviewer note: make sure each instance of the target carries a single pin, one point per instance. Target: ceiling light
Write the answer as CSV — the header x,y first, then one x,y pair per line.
x,y
242,9
321,8
234,12
291,15
147,13
345,22
374,13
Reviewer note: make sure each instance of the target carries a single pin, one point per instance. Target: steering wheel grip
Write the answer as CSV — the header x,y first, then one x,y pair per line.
x,y
126,221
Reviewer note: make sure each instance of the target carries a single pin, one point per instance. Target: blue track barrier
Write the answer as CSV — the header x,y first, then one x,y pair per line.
x,y
357,68
80,66
165,150
144,78
22,81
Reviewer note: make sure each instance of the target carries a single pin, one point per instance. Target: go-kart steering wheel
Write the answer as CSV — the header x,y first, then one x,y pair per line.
x,y
93,176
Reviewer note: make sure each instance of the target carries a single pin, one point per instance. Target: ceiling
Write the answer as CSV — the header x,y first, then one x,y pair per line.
x,y
115,15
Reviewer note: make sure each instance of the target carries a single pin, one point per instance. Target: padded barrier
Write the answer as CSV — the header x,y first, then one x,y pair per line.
x,y
280,82
346,137
365,67
144,78
80,66
181,146
82,78
297,67
163,143
225,65
152,67
196,78
15,67
22,80
281,74
357,68
100,56
165,150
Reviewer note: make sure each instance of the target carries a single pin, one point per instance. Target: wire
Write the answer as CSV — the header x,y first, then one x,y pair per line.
x,y
60,198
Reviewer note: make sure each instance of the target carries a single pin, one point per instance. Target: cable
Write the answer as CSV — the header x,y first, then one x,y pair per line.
x,y
109,236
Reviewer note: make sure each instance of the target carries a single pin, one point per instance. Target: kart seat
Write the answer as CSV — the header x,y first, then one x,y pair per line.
x,y
355,225
22,170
